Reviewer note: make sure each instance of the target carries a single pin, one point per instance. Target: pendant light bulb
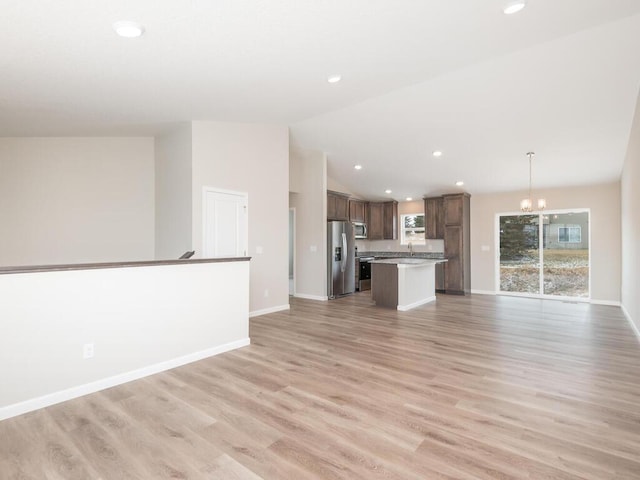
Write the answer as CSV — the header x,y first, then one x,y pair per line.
x,y
526,205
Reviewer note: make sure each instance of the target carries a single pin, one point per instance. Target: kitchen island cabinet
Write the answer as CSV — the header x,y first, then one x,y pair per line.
x,y
403,283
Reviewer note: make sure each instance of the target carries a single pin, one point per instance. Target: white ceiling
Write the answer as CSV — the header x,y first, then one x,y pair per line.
x,y
560,78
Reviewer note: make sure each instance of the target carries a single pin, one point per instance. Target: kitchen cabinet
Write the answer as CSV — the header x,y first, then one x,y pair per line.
x,y
434,218
457,243
374,227
358,211
390,221
454,208
383,221
337,206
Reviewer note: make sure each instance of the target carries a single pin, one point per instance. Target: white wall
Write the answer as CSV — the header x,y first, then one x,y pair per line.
x,y
249,158
308,197
630,197
604,202
141,320
173,195
74,200
334,185
404,208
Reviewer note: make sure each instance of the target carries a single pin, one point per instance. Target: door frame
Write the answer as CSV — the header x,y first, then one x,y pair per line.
x,y
586,299
292,226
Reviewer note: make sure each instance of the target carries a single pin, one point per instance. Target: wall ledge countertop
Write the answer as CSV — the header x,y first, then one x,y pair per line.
x,y
93,266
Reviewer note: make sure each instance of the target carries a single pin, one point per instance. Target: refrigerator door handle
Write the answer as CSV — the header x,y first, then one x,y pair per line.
x,y
343,264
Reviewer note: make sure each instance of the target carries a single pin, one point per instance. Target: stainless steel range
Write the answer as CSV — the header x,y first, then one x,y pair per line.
x,y
363,273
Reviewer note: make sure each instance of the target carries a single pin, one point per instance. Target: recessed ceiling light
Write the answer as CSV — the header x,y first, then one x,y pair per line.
x,y
459,183
358,167
437,153
409,199
128,29
334,78
387,191
513,6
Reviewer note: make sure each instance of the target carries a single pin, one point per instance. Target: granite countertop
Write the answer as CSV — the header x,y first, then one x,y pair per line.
x,y
388,254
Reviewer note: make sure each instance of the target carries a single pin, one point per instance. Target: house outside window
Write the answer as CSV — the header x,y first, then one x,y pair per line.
x,y
569,235
412,229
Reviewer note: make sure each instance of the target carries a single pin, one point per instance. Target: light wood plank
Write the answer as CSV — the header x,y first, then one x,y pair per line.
x,y
474,387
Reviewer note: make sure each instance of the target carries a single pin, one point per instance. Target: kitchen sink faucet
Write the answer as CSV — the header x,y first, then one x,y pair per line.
x,y
410,249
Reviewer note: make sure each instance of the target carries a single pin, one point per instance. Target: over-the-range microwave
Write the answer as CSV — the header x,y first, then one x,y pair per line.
x,y
360,229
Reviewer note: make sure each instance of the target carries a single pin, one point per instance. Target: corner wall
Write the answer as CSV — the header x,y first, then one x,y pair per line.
x,y
630,199
308,192
76,200
249,158
604,202
173,194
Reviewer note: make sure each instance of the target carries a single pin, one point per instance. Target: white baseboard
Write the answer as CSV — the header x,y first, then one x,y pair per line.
x,y
634,327
81,390
482,292
404,308
264,311
604,302
311,297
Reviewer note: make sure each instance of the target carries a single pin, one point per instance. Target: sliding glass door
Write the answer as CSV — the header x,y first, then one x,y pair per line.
x,y
544,254
519,254
566,254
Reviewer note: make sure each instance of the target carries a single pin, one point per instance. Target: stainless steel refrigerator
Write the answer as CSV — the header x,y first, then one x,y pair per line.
x,y
341,245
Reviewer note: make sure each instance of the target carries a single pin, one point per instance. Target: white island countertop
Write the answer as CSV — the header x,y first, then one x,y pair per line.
x,y
409,262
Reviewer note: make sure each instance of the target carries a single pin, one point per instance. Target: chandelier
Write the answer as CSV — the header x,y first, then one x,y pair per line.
x,y
526,205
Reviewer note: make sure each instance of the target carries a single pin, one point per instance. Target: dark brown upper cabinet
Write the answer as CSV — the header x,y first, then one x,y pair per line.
x,y
434,218
383,221
337,206
358,211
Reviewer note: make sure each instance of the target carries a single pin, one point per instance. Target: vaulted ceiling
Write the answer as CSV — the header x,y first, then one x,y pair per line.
x,y
560,78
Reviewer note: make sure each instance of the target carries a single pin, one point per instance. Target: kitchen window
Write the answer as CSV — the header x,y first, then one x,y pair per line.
x,y
412,229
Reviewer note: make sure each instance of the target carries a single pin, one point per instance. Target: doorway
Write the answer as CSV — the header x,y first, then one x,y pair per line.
x,y
292,251
544,254
225,228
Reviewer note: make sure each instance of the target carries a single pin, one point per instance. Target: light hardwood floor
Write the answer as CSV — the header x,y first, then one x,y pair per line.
x,y
475,387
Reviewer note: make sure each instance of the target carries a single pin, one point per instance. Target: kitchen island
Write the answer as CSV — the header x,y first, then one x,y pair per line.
x,y
403,283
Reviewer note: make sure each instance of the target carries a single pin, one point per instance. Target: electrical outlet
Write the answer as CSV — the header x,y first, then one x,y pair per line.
x,y
266,292
87,350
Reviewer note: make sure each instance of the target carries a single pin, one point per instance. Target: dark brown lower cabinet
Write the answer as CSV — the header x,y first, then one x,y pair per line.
x,y
454,269
457,244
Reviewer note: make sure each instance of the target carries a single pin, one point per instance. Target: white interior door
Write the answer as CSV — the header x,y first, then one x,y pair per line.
x,y
225,223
